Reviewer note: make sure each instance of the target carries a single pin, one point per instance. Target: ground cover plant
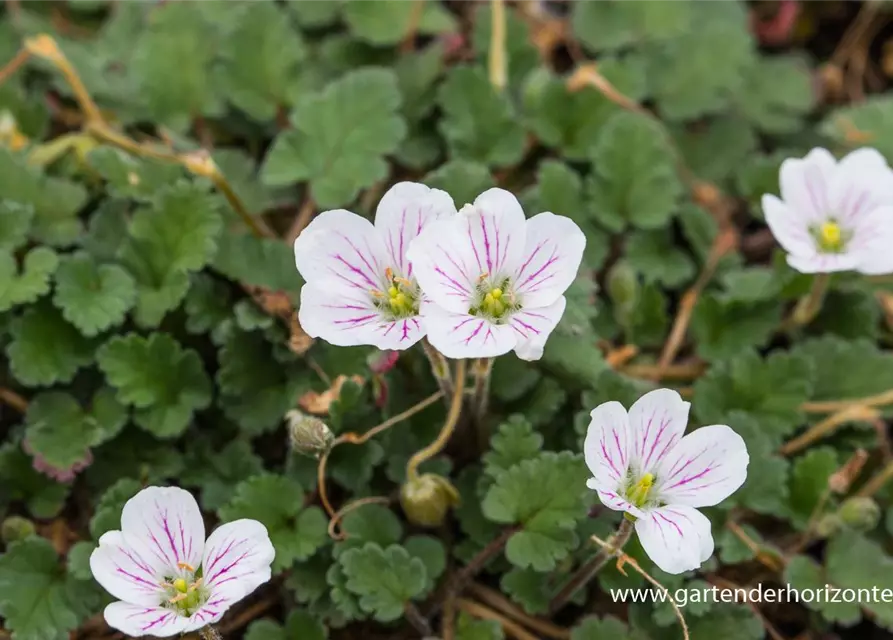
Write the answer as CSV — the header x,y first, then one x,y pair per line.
x,y
705,197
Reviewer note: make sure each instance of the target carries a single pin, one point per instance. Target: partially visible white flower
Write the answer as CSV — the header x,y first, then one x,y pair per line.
x,y
643,465
152,565
834,216
493,280
360,287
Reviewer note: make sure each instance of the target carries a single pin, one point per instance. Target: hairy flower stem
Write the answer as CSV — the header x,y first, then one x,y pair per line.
x,y
587,572
481,399
210,633
498,60
412,467
809,305
440,368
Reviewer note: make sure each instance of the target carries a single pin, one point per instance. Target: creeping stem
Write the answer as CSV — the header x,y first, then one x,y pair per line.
x,y
587,572
412,467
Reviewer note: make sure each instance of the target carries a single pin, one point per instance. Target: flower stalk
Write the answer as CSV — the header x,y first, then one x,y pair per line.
x,y
809,305
498,61
588,571
210,633
440,368
483,367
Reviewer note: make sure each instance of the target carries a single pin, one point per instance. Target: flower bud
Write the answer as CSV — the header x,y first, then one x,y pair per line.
x,y
860,513
828,525
16,528
623,288
427,499
308,435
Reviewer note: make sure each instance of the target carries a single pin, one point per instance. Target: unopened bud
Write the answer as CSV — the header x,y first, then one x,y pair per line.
x,y
828,525
308,435
16,528
623,289
860,513
427,499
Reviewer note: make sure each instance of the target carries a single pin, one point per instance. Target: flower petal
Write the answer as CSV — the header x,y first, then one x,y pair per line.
x,y
824,262
347,320
551,258
614,501
706,467
237,560
136,621
804,184
128,570
862,162
403,212
495,229
872,240
460,335
341,251
167,522
676,538
657,421
606,447
534,326
444,265
790,229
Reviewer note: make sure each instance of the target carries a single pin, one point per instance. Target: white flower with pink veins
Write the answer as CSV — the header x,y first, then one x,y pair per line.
x,y
360,286
493,280
834,216
642,464
168,578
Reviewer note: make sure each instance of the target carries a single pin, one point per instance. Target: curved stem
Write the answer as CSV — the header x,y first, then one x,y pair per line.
x,y
443,437
440,368
481,400
809,305
587,572
498,60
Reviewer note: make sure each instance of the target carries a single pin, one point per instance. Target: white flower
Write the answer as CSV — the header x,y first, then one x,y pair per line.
x,y
168,579
643,465
834,216
360,287
493,280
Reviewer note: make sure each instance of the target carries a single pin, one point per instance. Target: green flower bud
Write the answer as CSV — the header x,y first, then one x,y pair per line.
x,y
860,513
16,528
308,435
622,285
427,499
828,525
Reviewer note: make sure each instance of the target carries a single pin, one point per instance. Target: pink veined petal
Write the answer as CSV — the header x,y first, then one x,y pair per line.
x,y
823,262
863,162
657,421
872,241
342,252
614,501
166,521
495,229
790,227
550,261
458,335
444,265
352,320
855,194
403,212
127,570
606,447
706,467
237,560
137,621
804,184
534,326
677,538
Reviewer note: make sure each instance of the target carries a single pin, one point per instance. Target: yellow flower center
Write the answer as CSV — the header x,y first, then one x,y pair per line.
x,y
180,585
493,303
830,236
639,493
398,301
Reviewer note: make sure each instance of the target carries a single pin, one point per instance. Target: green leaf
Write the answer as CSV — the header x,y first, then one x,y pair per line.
x,y
716,150
612,24
852,313
467,628
417,74
770,390
462,179
37,599
208,306
432,553
607,627
723,329
256,392
45,349
27,285
809,481
260,262
373,523
261,59
43,497
479,123
868,368
165,383
802,572
736,622
62,433
655,256
777,94
278,502
299,624
314,15
545,495
766,487
384,579
750,285
870,119
241,172
15,222
107,516
339,138
635,180
527,588
56,201
581,361
514,442
384,22
217,472
107,229
853,561
132,177
520,51
93,297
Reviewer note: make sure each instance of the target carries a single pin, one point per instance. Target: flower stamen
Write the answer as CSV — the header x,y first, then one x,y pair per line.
x,y
638,494
831,236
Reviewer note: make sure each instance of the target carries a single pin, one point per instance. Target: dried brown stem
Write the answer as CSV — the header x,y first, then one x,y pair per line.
x,y
824,428
481,612
501,603
14,400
